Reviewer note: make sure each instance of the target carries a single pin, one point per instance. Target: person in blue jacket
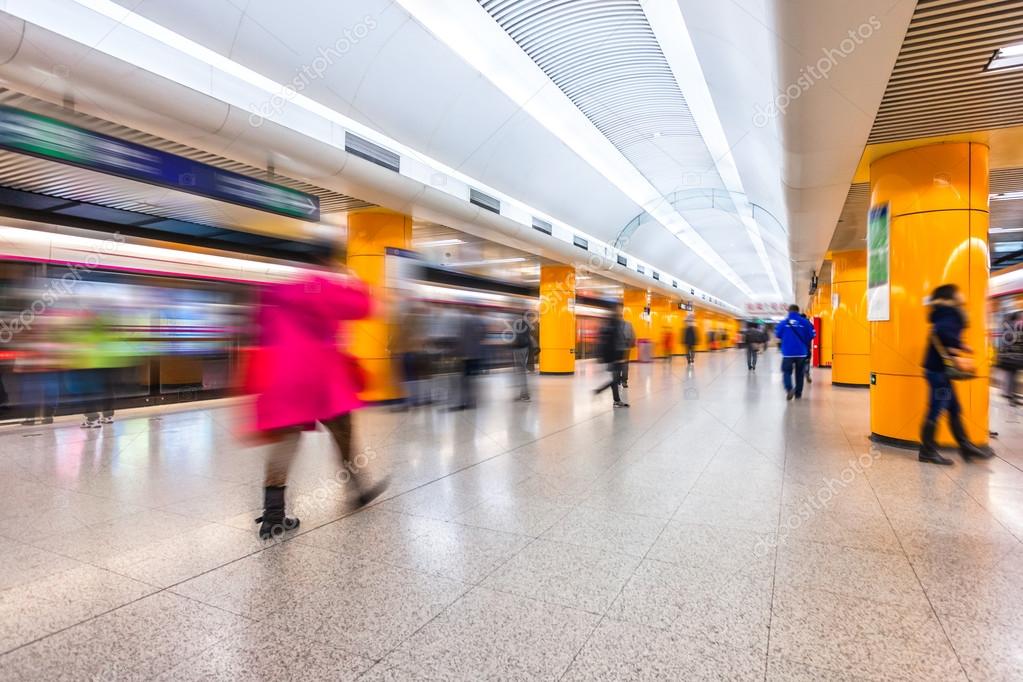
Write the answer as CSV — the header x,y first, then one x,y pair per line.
x,y
948,320
796,334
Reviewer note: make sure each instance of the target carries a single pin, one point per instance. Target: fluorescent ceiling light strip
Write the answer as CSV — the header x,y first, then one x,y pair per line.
x,y
439,242
495,261
57,16
1005,196
670,30
466,28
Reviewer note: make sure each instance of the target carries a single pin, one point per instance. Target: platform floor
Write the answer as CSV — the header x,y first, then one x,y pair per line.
x,y
711,531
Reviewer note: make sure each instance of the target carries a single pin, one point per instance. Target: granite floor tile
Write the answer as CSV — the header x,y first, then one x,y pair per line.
x,y
608,530
493,635
628,651
464,553
138,641
578,577
62,599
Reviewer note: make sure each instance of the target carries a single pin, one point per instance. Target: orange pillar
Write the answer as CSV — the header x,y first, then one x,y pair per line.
x,y
370,233
635,303
851,363
557,319
937,200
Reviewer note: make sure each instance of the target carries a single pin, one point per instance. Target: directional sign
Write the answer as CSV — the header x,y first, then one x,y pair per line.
x,y
49,138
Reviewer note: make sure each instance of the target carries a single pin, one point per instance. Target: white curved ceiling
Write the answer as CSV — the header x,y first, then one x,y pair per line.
x,y
378,63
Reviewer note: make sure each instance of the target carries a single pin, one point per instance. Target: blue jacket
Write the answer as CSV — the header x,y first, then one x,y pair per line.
x,y
795,332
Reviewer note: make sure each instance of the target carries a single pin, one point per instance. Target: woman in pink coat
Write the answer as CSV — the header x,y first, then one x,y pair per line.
x,y
301,376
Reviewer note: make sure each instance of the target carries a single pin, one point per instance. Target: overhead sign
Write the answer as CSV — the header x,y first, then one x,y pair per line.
x,y
766,308
49,138
878,263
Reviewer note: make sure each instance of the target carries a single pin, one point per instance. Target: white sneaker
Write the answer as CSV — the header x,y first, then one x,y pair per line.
x,y
106,420
90,424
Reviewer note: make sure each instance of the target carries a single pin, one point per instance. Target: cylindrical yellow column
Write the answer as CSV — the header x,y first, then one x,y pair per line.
x,y
557,319
635,301
850,365
938,203
370,233
660,322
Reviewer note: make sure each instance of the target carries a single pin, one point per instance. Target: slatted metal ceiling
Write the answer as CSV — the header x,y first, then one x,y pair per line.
x,y
940,84
330,201
604,56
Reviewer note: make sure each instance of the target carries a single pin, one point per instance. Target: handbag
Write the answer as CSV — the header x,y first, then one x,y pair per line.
x,y
356,373
957,367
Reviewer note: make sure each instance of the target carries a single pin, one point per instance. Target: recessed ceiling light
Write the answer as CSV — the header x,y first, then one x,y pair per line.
x,y
1006,196
495,261
439,242
1004,230
1006,58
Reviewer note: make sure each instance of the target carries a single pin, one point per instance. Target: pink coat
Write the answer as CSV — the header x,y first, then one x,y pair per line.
x,y
303,376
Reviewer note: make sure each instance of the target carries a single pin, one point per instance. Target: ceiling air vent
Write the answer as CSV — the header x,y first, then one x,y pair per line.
x,y
622,260
674,284
370,151
580,242
657,275
543,226
484,201
640,269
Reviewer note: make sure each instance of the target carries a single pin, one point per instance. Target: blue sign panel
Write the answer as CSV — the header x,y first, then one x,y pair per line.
x,y
49,138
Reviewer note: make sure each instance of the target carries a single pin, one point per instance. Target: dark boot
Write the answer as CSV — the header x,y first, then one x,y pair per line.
x,y
967,449
273,521
929,448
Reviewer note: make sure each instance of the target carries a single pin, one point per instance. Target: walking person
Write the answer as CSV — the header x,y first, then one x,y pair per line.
x,y
1010,354
690,339
301,377
613,349
629,342
796,334
947,358
754,338
522,344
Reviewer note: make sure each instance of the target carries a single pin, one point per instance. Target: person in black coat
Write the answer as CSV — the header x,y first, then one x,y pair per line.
x,y
690,339
948,320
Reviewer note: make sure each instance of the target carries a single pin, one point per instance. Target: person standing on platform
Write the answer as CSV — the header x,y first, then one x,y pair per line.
x,y
796,334
947,357
690,339
613,348
300,377
629,339
522,343
754,339
1010,354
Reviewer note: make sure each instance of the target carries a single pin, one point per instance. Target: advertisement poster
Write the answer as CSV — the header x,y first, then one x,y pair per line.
x,y
878,264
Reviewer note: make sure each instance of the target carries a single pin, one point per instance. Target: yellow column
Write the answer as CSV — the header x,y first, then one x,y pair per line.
x,y
938,203
557,319
850,365
661,320
678,330
370,233
635,301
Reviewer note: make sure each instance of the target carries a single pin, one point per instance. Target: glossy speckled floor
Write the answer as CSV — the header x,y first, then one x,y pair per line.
x,y
713,531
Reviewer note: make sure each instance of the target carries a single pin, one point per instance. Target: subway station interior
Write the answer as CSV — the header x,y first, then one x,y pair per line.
x,y
511,340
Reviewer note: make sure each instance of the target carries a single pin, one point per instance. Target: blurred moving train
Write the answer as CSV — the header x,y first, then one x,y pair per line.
x,y
177,319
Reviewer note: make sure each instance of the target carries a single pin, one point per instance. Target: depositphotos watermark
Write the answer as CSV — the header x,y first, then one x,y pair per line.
x,y
325,58
812,73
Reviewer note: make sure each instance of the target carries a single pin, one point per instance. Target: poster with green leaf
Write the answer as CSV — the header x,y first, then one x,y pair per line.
x,y
878,263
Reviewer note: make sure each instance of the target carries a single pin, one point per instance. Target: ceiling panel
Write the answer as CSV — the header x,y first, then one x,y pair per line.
x,y
940,84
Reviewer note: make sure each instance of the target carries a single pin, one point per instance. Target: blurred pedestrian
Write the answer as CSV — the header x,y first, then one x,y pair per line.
x,y
522,343
629,342
796,334
470,350
1010,354
754,339
303,378
947,359
690,339
613,348
808,365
